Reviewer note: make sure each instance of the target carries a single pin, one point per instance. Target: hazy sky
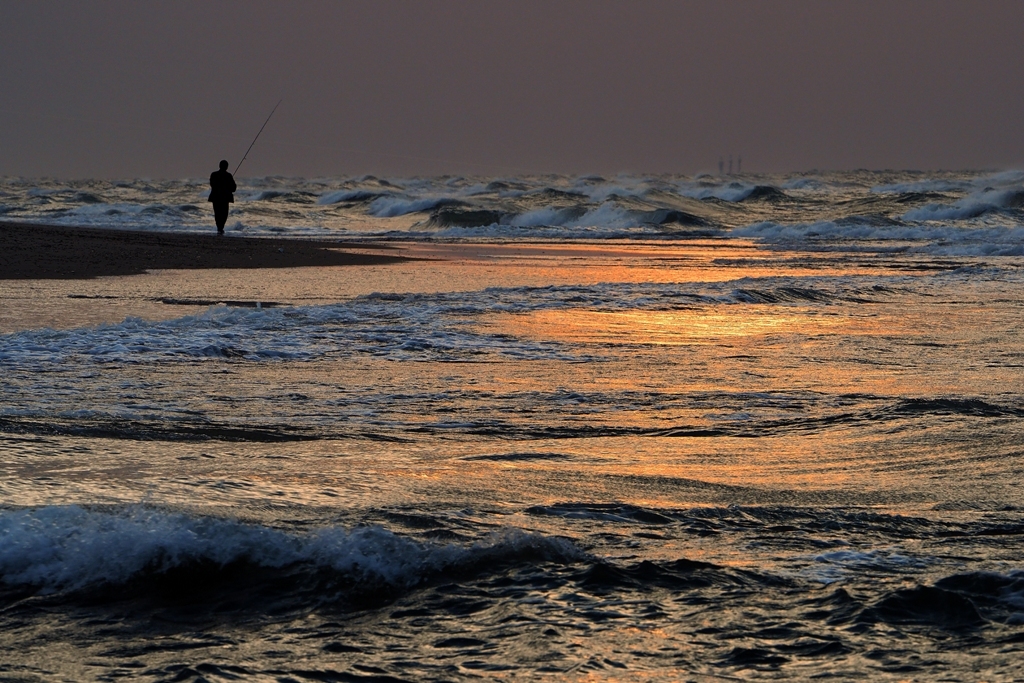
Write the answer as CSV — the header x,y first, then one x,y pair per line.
x,y
166,89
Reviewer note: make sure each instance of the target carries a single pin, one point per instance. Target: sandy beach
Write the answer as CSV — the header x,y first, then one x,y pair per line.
x,y
44,252
60,277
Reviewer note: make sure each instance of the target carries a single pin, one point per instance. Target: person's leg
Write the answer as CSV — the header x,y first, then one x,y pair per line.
x,y
220,214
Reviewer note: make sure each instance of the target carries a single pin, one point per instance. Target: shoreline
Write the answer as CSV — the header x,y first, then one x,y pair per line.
x,y
40,251
33,251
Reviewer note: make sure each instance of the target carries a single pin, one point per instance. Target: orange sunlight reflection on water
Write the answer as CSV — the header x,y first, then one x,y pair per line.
x,y
665,328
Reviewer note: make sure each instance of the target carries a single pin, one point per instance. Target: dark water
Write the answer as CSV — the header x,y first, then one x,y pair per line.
x,y
781,442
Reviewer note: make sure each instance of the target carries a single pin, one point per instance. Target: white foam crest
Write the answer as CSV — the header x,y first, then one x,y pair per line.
x,y
217,331
390,207
69,547
546,216
365,324
542,231
929,185
474,189
946,212
880,558
951,240
606,221
603,192
971,206
624,187
104,209
608,215
731,192
1002,178
338,196
263,195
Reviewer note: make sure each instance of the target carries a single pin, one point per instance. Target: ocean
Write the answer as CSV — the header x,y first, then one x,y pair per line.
x,y
607,428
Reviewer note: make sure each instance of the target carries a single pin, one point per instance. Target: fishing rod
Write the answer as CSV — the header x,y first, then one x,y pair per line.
x,y
258,135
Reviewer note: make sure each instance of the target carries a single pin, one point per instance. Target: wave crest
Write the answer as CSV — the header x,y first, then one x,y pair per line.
x,y
72,548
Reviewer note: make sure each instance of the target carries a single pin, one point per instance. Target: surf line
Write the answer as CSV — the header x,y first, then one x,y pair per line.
x,y
257,136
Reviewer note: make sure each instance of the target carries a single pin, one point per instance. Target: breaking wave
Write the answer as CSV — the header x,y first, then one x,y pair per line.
x,y
72,549
940,240
942,213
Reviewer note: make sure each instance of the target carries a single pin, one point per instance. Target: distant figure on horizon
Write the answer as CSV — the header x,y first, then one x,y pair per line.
x,y
222,186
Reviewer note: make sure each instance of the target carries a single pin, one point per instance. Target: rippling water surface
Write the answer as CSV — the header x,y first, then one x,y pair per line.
x,y
634,428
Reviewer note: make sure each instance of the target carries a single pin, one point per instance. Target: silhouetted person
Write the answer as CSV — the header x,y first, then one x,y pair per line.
x,y
222,185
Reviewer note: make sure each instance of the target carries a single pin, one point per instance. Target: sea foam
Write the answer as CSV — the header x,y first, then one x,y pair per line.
x,y
70,547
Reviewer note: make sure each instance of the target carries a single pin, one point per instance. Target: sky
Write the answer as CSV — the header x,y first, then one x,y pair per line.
x,y
167,89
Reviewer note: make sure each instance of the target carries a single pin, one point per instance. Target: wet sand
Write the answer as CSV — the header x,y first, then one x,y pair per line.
x,y
64,277
47,252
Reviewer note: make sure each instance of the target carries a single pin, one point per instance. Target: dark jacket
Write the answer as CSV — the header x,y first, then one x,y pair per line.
x,y
222,184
